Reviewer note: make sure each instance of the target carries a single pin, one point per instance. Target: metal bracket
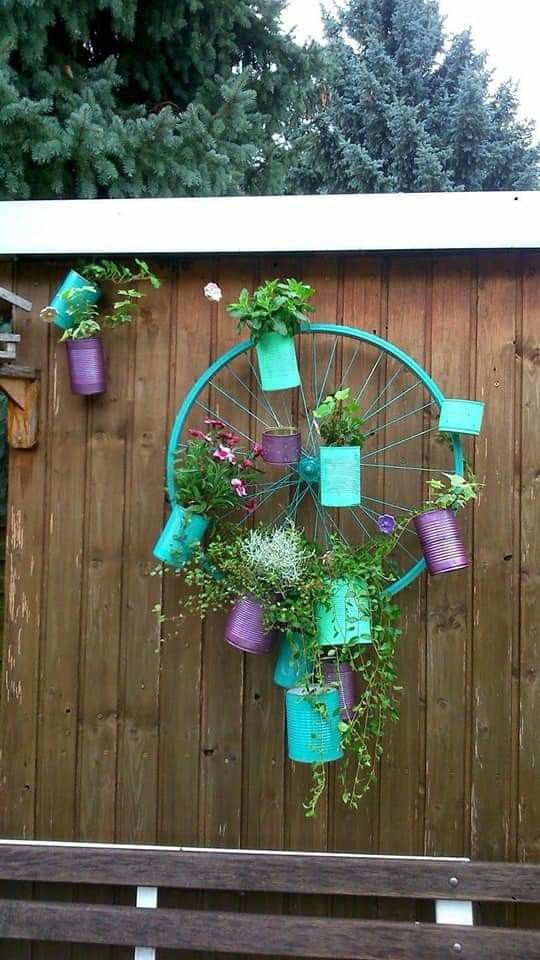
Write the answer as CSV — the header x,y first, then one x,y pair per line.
x,y
147,899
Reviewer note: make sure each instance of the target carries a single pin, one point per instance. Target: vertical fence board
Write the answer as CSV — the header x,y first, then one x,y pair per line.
x,y
448,597
529,742
136,810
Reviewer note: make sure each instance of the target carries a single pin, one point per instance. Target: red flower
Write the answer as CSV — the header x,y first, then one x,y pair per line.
x,y
224,453
257,449
199,434
216,424
247,464
238,487
230,438
250,506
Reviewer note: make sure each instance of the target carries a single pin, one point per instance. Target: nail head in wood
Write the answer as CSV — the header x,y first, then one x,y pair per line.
x,y
457,948
453,881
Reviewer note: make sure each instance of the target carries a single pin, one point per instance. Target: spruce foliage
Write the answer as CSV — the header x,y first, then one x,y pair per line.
x,y
127,98
407,108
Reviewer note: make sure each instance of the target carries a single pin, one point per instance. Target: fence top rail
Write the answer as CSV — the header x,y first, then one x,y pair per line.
x,y
269,871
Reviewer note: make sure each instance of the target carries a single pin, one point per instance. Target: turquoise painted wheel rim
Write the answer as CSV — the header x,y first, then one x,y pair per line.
x,y
362,336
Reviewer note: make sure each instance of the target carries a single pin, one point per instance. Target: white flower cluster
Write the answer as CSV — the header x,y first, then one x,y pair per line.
x,y
277,556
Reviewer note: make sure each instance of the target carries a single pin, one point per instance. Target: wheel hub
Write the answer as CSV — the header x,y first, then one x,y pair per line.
x,y
309,469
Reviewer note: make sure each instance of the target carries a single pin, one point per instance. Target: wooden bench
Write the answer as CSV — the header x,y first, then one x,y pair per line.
x,y
453,884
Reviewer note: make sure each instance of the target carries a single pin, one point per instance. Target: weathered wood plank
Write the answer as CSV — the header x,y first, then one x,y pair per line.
x,y
493,568
201,869
136,808
529,716
263,935
448,597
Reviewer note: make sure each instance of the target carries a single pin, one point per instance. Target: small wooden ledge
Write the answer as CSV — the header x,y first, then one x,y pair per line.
x,y
21,386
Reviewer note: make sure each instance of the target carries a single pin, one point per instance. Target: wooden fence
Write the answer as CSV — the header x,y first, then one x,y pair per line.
x,y
113,732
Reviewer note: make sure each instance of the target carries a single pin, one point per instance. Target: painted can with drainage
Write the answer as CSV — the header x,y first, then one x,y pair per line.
x,y
441,542
244,628
73,291
313,718
86,366
340,476
278,366
177,540
281,445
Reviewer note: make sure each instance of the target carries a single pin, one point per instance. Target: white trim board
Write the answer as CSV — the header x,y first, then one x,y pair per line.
x,y
357,222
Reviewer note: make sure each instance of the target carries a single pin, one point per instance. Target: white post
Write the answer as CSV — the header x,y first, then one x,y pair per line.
x,y
147,899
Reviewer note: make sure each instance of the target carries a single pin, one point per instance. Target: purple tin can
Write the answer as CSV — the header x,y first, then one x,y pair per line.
x,y
281,445
86,365
441,541
244,628
342,676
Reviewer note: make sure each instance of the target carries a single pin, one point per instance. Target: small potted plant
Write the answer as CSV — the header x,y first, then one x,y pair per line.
x,y
437,527
213,478
75,310
281,445
273,314
313,724
339,425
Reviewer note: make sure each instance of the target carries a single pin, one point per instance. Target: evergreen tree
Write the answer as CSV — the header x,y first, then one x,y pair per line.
x,y
407,108
127,98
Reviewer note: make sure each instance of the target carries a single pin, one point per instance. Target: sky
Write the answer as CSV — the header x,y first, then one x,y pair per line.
x,y
509,32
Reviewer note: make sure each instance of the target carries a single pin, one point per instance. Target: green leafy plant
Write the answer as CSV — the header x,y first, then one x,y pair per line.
x,y
213,475
338,421
362,734
277,306
454,492
86,319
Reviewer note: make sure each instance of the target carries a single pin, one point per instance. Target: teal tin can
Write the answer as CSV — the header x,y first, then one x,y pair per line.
x,y
182,531
340,484
313,725
461,416
348,619
278,366
83,291
293,666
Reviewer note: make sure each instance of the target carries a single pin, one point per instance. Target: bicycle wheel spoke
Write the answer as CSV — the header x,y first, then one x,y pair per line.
x,y
388,423
387,503
379,396
261,396
330,360
359,523
397,443
308,420
403,466
320,514
398,396
369,377
237,403
227,423
349,365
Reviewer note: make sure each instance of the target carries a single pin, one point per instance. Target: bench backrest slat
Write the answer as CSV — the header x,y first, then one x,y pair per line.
x,y
263,935
269,872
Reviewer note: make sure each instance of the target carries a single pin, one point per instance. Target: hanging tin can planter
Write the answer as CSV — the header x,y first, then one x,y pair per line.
x,y
281,445
177,540
341,675
278,366
441,541
461,416
86,365
313,719
340,476
348,619
83,291
293,666
244,628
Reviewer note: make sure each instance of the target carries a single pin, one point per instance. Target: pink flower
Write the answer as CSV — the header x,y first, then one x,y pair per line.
x,y
250,506
257,449
217,424
199,434
224,453
247,464
230,438
212,292
238,487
